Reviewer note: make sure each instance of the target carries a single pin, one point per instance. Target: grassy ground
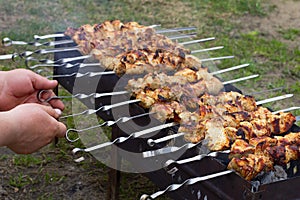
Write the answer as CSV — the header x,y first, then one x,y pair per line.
x,y
277,59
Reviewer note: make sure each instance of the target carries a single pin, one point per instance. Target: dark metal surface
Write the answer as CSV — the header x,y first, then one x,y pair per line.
x,y
230,186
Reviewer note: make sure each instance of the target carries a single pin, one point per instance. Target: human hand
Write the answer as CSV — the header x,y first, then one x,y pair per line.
x,y
28,127
21,86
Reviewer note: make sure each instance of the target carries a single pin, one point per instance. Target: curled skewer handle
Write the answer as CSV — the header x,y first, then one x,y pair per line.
x,y
41,93
70,131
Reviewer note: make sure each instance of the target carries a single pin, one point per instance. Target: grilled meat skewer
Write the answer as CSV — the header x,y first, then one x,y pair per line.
x,y
120,37
260,154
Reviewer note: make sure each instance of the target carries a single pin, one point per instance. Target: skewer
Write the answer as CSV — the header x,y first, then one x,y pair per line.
x,y
172,30
190,181
152,142
287,110
229,69
8,42
78,96
59,61
146,154
43,37
197,41
46,51
90,74
182,36
274,99
107,123
77,48
66,60
122,139
208,49
66,65
108,107
216,58
8,56
79,75
102,108
195,158
59,35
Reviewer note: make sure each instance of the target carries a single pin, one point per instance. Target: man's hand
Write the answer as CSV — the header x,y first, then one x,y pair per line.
x,y
28,127
21,86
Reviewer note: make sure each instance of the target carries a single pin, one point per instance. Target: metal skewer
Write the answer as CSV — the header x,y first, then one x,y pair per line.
x,y
90,74
79,75
107,123
182,36
152,142
208,49
172,30
197,41
190,181
8,42
102,108
108,107
122,139
66,65
66,49
195,158
78,96
59,35
287,110
66,60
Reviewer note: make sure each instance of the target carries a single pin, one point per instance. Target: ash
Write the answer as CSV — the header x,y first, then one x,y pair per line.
x,y
277,175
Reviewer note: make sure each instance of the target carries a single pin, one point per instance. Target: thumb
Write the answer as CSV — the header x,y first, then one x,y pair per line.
x,y
40,82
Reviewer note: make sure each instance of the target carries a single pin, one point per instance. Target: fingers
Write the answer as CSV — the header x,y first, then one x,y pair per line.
x,y
61,130
60,127
42,83
52,112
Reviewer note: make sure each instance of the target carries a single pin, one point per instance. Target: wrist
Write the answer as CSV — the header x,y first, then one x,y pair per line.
x,y
7,129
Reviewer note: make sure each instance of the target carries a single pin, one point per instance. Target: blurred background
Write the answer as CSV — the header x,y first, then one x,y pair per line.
x,y
265,34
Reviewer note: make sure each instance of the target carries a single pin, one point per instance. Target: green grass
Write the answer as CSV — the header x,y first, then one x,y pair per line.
x,y
278,64
20,180
27,160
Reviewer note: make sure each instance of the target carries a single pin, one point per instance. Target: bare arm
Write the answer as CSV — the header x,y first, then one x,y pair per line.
x,y
28,127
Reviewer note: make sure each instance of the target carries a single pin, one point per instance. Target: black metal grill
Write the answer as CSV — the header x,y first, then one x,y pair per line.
x,y
230,186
